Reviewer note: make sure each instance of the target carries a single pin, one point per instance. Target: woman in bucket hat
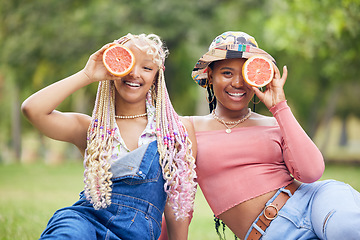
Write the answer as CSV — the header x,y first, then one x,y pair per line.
x,y
259,174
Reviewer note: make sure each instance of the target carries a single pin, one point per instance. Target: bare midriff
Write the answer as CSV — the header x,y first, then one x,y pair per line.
x,y
240,217
239,172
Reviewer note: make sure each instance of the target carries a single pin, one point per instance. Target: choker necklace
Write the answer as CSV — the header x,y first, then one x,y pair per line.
x,y
233,123
131,116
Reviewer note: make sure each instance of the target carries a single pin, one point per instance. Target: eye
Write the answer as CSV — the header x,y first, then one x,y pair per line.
x,y
227,73
147,68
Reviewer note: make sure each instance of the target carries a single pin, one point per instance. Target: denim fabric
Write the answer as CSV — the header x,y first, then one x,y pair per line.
x,y
130,164
138,201
321,210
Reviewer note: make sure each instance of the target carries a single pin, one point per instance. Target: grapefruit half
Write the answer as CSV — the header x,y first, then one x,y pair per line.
x,y
118,60
258,71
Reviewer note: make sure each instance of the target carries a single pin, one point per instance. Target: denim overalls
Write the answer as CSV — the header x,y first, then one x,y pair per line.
x,y
138,201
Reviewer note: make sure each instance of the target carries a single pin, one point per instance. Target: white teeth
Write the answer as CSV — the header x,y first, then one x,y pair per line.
x,y
132,84
236,94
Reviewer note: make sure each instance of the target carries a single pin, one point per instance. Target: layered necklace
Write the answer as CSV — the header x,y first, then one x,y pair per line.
x,y
231,124
131,116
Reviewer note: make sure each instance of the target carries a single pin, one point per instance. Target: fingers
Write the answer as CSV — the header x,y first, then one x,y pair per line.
x,y
276,71
278,79
258,93
96,55
285,73
103,48
109,45
106,46
274,92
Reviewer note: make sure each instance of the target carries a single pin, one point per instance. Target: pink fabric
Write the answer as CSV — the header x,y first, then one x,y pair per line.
x,y
251,161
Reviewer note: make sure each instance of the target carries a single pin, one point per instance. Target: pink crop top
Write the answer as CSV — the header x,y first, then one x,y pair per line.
x,y
251,161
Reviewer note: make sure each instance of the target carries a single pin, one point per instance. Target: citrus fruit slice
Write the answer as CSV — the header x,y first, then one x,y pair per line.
x,y
258,71
118,60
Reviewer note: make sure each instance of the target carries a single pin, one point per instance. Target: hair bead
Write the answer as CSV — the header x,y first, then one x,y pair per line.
x,y
174,146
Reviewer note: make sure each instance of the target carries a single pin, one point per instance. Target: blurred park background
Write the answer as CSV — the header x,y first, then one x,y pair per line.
x,y
44,41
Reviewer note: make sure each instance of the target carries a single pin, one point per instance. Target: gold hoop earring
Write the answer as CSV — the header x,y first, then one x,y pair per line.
x,y
211,99
261,89
254,99
153,93
208,86
152,88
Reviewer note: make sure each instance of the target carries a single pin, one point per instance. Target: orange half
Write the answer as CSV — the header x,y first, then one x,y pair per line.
x,y
258,71
118,60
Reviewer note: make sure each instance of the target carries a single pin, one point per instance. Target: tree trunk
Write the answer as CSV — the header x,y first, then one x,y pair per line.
x,y
330,111
312,121
344,134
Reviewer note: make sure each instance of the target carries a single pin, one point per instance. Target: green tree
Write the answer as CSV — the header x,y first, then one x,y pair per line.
x,y
44,41
322,38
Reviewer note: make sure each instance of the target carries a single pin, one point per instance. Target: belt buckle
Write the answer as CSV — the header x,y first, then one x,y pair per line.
x,y
276,209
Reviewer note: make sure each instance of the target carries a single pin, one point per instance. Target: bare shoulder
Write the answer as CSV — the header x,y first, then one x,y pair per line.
x,y
187,122
262,120
201,123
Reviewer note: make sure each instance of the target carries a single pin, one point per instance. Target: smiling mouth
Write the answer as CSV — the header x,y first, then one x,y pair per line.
x,y
236,94
132,84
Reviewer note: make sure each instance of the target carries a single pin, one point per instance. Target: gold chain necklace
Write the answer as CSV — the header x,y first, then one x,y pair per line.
x,y
131,116
233,123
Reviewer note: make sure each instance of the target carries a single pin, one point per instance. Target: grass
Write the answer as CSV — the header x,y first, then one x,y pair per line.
x,y
30,194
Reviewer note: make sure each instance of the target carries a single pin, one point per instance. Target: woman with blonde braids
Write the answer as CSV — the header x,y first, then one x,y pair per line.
x,y
138,154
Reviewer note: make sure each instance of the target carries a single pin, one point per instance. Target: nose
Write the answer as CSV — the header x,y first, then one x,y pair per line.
x,y
134,72
238,81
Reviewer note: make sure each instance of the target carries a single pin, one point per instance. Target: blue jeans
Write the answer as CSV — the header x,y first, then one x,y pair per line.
x,y
138,201
321,210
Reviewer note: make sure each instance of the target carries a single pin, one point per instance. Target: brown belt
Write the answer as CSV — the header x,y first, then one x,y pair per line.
x,y
270,212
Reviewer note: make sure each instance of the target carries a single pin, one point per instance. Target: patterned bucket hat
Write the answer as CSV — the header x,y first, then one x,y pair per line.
x,y
226,46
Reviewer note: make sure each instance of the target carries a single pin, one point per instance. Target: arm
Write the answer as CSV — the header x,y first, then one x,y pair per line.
x,y
303,159
172,229
191,132
40,107
175,229
164,235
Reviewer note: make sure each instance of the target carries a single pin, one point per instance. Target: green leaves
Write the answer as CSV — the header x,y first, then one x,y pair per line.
x,y
45,40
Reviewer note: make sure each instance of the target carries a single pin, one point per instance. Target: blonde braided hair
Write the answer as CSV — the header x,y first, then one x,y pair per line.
x,y
174,145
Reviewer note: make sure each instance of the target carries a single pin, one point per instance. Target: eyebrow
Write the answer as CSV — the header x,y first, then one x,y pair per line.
x,y
226,68
148,60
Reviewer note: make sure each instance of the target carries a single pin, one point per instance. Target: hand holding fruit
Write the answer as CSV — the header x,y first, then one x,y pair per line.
x,y
274,92
95,69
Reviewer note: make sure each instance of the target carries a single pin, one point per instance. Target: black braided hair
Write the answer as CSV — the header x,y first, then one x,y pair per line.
x,y
211,97
219,223
254,103
210,92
